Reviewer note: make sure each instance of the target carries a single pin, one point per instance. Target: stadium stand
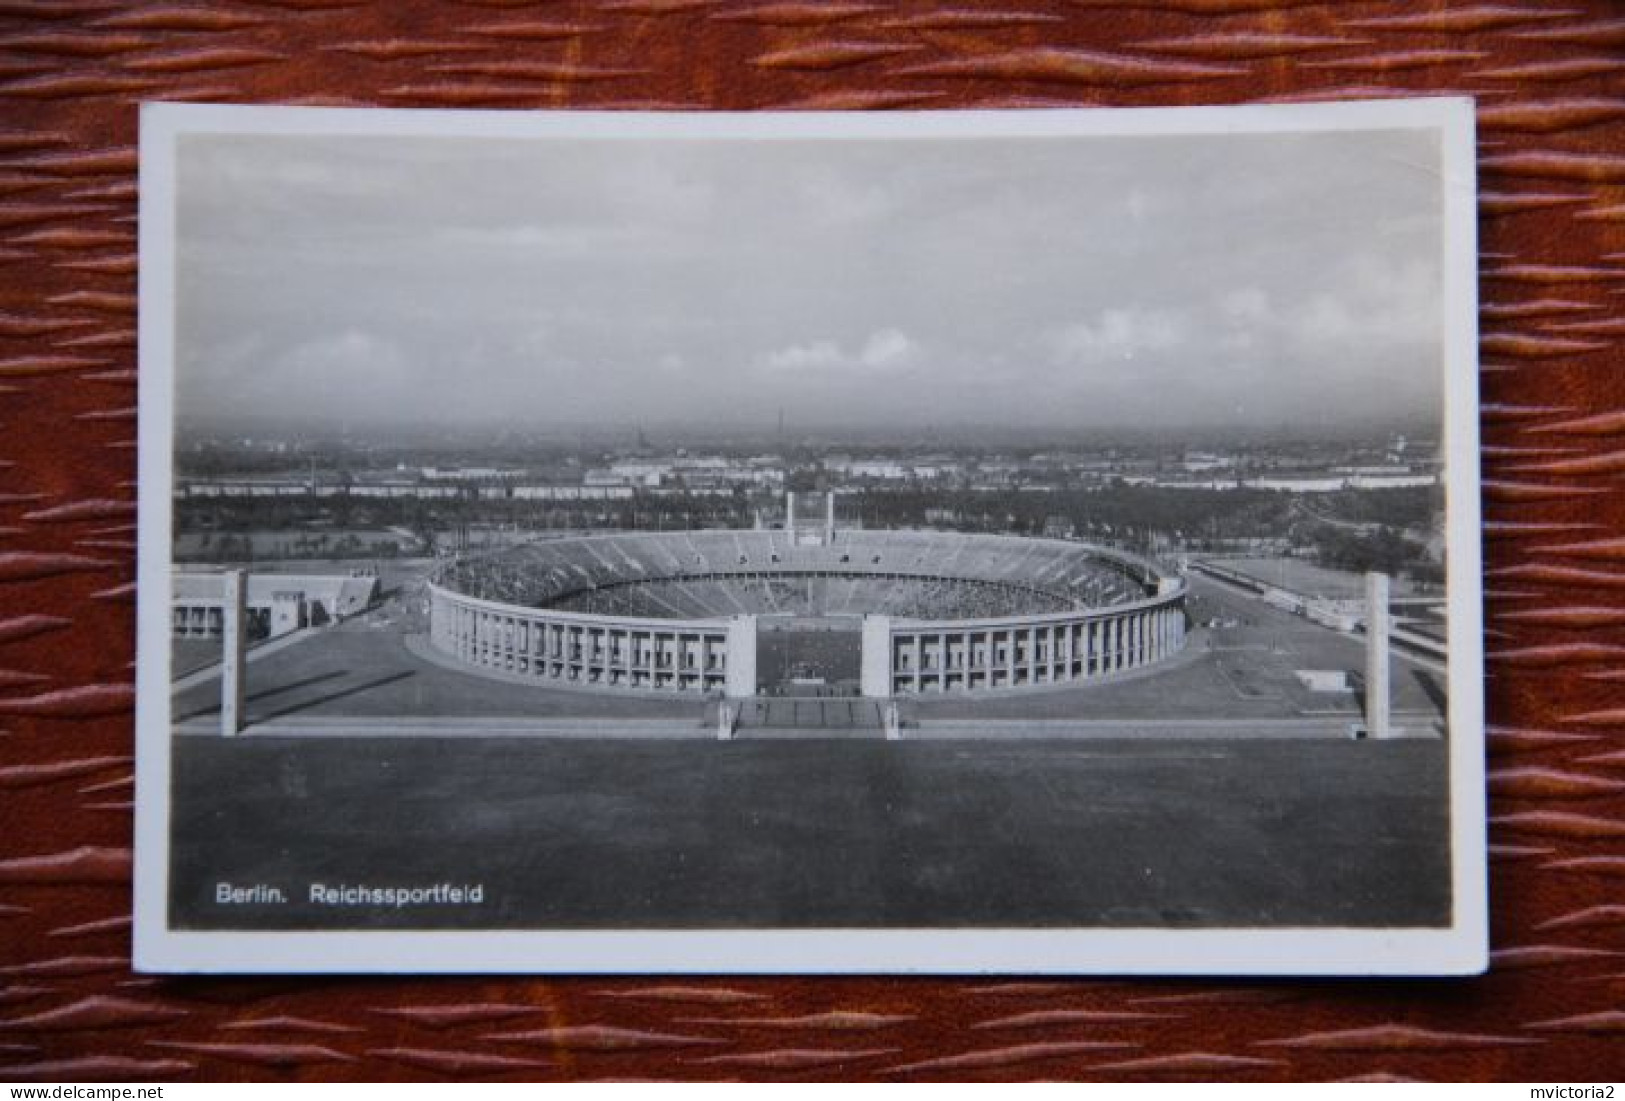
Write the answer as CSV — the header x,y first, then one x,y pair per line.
x,y
924,575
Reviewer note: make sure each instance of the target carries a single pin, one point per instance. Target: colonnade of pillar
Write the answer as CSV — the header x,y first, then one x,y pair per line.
x,y
719,656
663,656
197,620
970,658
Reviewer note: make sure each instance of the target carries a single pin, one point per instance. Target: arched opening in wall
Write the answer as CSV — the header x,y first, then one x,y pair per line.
x,y
807,656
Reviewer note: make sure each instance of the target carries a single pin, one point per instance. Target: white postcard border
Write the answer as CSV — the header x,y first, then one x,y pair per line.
x,y
1460,949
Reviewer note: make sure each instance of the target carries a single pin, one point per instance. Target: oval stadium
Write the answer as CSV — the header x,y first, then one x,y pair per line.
x,y
816,610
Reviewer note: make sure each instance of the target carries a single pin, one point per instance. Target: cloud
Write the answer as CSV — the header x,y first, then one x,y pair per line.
x,y
351,372
819,355
1116,334
1365,303
1325,320
647,184
534,281
883,351
1246,305
887,349
543,241
842,199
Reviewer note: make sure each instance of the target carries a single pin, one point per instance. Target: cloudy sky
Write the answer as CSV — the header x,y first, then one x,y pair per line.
x,y
1230,281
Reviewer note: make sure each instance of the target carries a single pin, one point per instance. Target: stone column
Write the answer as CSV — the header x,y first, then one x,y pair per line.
x,y
1376,656
234,659
741,671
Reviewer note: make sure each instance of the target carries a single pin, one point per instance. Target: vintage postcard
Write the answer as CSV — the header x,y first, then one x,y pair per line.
x,y
978,542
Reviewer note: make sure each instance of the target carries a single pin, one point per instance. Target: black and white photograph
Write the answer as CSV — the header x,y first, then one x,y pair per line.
x,y
1030,541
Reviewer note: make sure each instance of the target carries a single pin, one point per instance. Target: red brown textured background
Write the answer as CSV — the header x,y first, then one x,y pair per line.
x,y
1550,78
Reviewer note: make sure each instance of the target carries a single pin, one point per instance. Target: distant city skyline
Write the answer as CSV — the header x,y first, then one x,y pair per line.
x,y
669,437
1224,282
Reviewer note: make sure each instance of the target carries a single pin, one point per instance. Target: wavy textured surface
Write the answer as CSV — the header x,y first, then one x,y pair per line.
x,y
1553,232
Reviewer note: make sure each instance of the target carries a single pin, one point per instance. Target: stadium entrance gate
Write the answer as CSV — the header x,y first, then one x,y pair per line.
x,y
809,657
808,680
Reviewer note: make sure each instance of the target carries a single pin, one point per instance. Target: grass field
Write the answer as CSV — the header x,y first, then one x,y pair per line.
x,y
693,834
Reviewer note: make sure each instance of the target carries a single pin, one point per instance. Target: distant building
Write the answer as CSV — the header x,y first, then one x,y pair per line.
x,y
467,474
278,603
1204,460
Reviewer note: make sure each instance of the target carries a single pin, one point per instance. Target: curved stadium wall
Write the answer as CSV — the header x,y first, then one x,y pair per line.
x,y
940,612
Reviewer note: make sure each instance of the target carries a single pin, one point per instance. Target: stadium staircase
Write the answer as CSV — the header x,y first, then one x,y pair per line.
x,y
839,717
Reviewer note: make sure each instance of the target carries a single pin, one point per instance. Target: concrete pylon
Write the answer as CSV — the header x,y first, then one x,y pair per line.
x,y
790,514
740,683
829,520
234,656
1376,656
876,670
